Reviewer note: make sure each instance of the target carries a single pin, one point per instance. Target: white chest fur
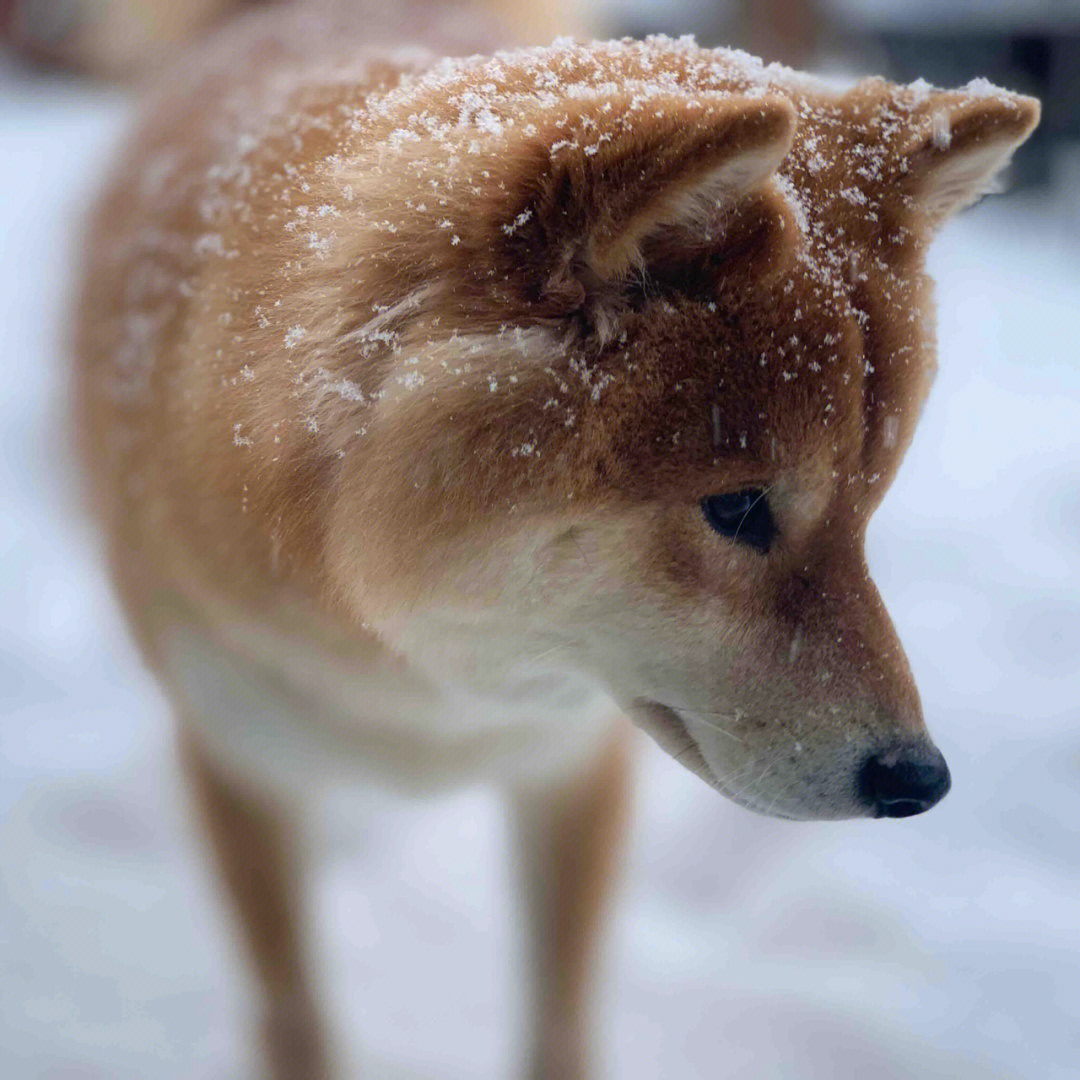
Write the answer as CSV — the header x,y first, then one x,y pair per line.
x,y
285,710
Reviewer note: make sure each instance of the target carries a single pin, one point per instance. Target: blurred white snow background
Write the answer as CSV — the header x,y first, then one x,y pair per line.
x,y
946,945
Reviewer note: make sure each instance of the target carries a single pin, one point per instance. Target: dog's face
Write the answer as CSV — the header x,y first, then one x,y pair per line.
x,y
655,359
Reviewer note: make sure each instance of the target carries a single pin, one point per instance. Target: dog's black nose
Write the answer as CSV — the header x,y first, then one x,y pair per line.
x,y
905,780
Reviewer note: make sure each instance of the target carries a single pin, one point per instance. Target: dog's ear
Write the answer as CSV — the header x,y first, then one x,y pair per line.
x,y
544,204
583,205
961,145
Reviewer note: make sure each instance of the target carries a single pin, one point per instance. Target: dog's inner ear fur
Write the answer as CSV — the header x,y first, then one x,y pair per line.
x,y
962,146
671,168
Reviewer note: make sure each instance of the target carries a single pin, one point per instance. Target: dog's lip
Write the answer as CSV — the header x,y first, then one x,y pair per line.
x,y
698,765
664,717
665,724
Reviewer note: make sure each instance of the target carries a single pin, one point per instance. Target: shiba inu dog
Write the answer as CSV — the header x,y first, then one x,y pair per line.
x,y
441,413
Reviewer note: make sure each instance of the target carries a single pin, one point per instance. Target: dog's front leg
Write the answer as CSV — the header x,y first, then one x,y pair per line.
x,y
570,841
255,849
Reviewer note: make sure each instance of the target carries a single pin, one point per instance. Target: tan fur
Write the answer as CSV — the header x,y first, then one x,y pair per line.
x,y
401,383
255,845
571,840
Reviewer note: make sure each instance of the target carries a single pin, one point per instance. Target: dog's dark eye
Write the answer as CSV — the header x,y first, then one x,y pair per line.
x,y
744,516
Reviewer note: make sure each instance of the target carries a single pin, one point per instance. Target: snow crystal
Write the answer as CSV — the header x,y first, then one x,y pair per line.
x,y
320,244
210,244
981,87
402,135
890,431
520,220
853,195
920,91
941,133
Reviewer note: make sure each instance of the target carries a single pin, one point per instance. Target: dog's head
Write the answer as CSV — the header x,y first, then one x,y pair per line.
x,y
620,352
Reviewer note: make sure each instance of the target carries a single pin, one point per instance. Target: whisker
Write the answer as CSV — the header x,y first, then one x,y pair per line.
x,y
764,491
779,795
722,730
698,714
547,652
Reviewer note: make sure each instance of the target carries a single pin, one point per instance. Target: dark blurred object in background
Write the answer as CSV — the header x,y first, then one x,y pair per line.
x,y
113,39
1032,47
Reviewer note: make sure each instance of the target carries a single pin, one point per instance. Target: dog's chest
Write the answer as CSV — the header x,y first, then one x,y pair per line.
x,y
289,711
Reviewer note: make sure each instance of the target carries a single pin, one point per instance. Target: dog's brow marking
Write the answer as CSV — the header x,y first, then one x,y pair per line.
x,y
716,427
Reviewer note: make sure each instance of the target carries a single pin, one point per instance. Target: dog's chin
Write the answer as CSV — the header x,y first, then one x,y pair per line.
x,y
668,730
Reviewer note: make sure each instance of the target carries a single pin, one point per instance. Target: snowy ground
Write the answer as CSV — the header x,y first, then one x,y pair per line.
x,y
942,946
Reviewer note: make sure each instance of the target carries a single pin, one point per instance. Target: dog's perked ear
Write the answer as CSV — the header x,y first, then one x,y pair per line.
x,y
583,206
540,205
960,146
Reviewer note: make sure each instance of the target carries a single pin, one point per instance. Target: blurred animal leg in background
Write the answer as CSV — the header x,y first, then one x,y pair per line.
x,y
256,852
570,840
106,38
